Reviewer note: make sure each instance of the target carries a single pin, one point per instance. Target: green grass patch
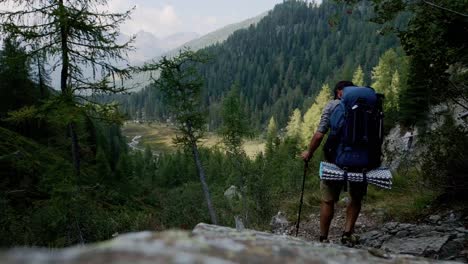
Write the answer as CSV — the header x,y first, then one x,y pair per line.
x,y
409,198
159,137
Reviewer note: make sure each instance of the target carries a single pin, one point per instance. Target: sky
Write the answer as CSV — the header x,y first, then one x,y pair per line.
x,y
163,18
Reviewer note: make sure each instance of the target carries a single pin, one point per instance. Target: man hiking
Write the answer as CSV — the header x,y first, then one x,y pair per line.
x,y
330,190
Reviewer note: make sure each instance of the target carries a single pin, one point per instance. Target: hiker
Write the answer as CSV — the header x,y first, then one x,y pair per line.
x,y
330,190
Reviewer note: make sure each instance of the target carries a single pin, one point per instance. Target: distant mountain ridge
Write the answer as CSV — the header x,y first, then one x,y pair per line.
x,y
141,80
146,45
282,62
217,36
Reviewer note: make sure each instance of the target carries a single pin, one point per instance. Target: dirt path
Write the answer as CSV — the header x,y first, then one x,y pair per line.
x,y
310,225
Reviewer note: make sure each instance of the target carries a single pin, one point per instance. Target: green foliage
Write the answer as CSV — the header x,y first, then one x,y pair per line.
x,y
386,78
16,87
313,114
358,77
45,205
444,163
181,84
271,135
281,62
76,32
276,64
293,129
434,39
408,199
390,78
235,126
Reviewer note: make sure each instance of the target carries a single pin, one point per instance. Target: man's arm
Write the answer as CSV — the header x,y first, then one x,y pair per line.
x,y
313,145
322,129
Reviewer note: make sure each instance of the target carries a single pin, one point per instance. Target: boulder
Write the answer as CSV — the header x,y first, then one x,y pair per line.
x,y
206,244
420,246
441,241
232,193
279,223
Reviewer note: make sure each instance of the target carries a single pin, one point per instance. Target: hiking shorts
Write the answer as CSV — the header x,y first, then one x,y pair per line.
x,y
330,190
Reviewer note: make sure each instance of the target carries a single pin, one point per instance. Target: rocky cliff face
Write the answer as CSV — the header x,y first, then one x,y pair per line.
x,y
206,244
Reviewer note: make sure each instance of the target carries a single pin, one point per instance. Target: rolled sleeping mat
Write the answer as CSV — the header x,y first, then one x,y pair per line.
x,y
380,177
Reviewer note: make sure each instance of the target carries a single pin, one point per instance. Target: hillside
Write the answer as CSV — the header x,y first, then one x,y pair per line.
x,y
217,36
140,80
281,62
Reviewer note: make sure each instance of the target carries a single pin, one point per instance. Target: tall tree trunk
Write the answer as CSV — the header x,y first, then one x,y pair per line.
x,y
66,90
240,168
64,45
75,148
244,199
41,79
201,173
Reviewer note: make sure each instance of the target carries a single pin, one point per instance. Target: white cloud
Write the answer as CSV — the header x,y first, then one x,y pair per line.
x,y
161,21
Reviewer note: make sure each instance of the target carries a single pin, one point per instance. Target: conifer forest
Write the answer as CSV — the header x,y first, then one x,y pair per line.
x,y
72,173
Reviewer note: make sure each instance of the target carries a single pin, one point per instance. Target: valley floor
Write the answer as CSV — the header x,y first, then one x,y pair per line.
x,y
159,136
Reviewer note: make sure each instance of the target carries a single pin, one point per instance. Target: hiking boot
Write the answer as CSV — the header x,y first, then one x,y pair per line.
x,y
349,240
324,240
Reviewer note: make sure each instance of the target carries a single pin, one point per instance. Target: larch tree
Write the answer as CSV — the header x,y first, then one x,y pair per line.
x,y
313,114
181,85
293,129
76,35
271,136
395,87
358,76
383,75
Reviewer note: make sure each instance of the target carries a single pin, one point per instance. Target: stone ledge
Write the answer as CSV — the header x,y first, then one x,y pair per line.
x,y
206,244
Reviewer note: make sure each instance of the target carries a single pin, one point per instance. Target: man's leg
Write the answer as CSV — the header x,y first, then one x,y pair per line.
x,y
356,191
326,215
352,213
330,192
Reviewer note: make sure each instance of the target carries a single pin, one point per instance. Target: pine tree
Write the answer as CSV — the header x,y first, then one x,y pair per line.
x,y
16,87
181,85
79,34
103,169
234,127
358,76
313,114
233,130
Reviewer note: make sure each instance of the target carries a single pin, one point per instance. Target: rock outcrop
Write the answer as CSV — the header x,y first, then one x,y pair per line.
x,y
441,237
206,244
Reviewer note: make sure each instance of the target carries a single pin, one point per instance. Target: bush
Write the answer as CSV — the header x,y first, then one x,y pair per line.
x,y
444,162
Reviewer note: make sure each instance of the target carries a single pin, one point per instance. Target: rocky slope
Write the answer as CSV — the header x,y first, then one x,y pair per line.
x,y
206,244
438,236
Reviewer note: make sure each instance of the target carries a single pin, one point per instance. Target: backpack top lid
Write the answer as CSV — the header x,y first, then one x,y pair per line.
x,y
351,95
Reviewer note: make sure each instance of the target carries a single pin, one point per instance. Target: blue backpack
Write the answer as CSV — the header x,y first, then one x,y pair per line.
x,y
355,140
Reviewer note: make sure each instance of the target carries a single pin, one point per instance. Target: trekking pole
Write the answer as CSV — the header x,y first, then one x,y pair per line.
x,y
306,165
